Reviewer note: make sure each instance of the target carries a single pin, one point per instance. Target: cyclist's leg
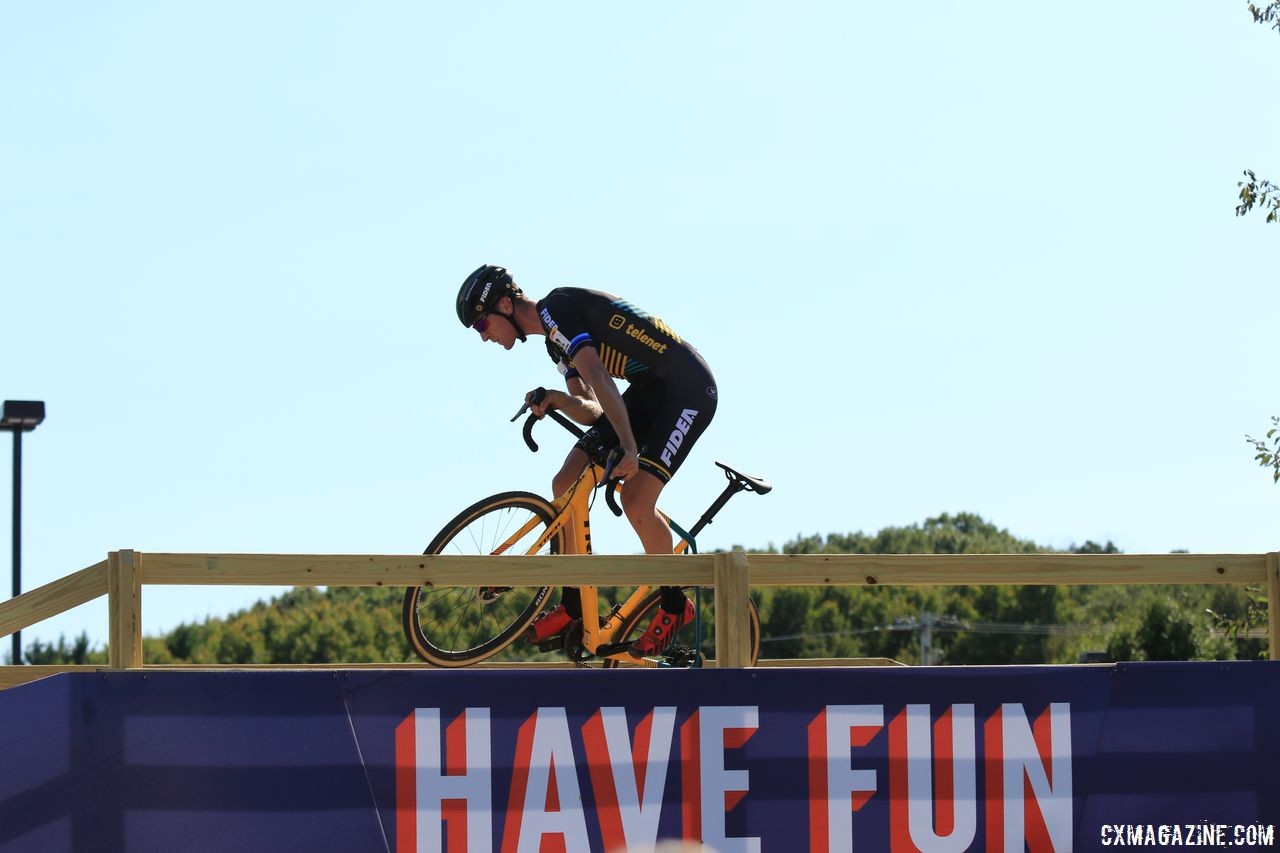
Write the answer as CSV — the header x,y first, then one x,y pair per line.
x,y
679,419
640,503
672,427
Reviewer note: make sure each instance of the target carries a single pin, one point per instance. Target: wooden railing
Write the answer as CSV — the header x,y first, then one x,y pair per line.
x,y
123,574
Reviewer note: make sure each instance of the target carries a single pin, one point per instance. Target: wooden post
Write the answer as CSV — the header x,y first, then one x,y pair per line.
x,y
124,606
733,622
1273,605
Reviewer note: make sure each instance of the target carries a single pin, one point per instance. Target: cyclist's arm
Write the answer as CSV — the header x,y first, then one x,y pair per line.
x,y
606,393
579,403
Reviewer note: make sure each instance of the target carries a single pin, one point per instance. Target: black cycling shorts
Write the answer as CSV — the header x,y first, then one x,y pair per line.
x,y
666,416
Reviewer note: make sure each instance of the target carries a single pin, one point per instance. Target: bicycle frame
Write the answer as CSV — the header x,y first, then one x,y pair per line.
x,y
597,635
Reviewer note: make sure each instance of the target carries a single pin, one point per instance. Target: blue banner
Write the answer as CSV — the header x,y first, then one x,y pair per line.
x,y
899,759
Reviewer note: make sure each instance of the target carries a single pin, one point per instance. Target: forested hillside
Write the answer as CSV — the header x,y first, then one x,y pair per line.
x,y
966,625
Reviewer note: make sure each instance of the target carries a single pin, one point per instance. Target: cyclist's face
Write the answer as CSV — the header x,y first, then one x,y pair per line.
x,y
496,328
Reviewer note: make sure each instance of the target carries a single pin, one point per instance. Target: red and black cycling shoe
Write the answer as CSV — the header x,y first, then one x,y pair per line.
x,y
661,631
549,625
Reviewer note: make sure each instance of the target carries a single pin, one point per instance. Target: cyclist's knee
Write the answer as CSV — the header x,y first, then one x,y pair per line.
x,y
569,471
561,482
640,495
639,502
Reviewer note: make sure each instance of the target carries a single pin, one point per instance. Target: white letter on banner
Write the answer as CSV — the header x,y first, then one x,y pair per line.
x,y
552,808
475,787
719,790
836,794
628,780
1023,761
964,770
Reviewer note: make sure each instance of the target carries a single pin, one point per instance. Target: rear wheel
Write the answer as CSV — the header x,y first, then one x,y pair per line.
x,y
696,639
460,626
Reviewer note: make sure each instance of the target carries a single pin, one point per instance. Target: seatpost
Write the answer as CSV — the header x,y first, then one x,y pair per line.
x,y
733,487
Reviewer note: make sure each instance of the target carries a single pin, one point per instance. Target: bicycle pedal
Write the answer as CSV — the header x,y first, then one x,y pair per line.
x,y
682,657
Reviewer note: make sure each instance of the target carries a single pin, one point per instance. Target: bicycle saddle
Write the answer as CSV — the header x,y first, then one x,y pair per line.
x,y
751,484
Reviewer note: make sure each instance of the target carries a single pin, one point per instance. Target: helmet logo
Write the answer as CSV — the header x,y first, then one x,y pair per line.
x,y
617,321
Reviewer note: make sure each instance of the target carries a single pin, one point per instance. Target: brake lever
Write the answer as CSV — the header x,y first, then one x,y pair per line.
x,y
611,483
536,396
539,394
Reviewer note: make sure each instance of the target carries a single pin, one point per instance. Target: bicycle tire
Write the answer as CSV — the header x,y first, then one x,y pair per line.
x,y
638,621
453,626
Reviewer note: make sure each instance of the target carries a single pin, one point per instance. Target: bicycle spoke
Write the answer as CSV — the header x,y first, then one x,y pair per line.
x,y
458,626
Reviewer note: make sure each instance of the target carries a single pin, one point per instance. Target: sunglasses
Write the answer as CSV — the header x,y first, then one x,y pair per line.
x,y
481,323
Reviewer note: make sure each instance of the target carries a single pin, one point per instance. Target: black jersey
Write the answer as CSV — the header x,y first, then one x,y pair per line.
x,y
631,343
672,396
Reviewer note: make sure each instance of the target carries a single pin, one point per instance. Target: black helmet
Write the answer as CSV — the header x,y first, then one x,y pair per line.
x,y
481,291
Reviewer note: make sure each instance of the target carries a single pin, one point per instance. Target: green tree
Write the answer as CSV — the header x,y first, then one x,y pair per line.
x,y
78,652
886,621
991,624
1167,629
1237,611
1255,191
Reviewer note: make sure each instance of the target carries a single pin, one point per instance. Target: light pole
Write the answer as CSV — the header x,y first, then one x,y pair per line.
x,y
19,416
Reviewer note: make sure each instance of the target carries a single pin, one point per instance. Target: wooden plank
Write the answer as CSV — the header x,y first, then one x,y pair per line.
x,y
733,628
1017,569
490,664
53,598
1273,605
124,635
397,571
766,569
14,676
825,662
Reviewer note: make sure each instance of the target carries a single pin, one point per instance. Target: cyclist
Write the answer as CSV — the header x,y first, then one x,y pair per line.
x,y
593,338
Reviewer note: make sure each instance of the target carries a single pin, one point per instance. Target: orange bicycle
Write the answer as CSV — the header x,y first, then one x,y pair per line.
x,y
460,626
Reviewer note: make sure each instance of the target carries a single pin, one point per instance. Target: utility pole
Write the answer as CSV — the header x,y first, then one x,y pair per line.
x,y
926,638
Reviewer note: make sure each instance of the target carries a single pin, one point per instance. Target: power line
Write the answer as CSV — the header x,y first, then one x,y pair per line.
x,y
952,625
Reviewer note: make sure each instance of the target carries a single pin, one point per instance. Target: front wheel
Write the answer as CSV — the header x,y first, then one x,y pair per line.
x,y
460,626
696,639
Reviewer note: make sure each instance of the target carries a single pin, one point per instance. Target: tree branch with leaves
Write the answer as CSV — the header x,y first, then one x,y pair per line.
x,y
1256,192
1267,456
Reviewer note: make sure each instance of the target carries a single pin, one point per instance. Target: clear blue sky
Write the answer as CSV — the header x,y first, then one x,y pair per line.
x,y
943,258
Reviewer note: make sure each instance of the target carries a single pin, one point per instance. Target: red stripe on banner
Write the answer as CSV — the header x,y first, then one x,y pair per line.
x,y
819,831
691,778
406,788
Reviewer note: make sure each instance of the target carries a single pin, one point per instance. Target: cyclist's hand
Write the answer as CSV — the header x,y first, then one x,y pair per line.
x,y
626,466
542,403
